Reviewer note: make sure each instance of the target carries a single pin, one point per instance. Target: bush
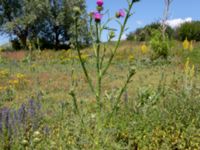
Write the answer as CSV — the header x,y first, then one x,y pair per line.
x,y
158,45
189,30
145,33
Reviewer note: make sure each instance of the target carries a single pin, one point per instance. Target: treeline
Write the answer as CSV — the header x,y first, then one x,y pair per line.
x,y
43,23
189,30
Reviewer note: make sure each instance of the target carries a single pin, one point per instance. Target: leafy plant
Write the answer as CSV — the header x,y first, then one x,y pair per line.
x,y
159,46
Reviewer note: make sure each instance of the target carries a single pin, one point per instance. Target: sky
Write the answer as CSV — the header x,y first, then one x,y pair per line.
x,y
146,12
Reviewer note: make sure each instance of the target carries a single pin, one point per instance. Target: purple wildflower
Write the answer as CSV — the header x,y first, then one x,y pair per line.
x,y
1,122
6,117
97,16
22,113
100,3
31,108
120,13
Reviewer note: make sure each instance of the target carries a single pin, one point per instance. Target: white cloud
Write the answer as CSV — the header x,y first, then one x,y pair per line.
x,y
139,22
124,36
174,23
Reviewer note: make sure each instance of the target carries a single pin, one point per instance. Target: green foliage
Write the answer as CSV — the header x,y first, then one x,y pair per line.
x,y
7,94
159,46
49,21
145,33
16,44
189,30
155,112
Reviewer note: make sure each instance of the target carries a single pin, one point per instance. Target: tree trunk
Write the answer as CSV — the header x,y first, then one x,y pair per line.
x,y
57,42
23,40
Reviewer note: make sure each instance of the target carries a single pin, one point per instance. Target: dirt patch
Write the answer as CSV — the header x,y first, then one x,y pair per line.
x,y
16,55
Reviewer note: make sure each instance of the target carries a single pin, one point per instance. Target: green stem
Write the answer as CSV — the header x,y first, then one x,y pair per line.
x,y
81,60
119,39
120,95
98,94
103,57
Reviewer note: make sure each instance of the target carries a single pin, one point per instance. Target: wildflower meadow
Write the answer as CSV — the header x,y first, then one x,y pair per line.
x,y
97,93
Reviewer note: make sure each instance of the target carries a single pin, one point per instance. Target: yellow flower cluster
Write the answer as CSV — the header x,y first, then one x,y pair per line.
x,y
131,57
4,73
188,45
74,57
19,81
144,49
20,76
13,82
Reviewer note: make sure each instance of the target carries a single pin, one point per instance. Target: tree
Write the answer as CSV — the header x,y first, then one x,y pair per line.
x,y
145,33
189,30
19,17
50,21
58,23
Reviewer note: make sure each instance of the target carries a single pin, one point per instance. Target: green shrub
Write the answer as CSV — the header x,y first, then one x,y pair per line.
x,y
159,46
189,30
145,33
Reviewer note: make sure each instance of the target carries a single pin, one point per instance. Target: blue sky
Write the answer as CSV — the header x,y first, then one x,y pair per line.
x,y
146,11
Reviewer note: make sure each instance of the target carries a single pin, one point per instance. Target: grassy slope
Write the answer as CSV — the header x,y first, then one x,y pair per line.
x,y
50,72
159,115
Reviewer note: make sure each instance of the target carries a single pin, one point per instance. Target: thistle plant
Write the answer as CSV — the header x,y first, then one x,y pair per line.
x,y
97,26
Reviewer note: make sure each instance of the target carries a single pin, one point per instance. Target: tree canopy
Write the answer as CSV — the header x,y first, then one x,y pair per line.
x,y
48,21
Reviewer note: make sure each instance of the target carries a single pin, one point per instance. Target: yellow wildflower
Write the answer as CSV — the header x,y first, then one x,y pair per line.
x,y
4,73
13,82
20,76
186,44
131,57
144,49
84,57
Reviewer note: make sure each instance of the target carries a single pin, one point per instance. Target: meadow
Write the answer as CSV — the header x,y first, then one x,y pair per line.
x,y
158,110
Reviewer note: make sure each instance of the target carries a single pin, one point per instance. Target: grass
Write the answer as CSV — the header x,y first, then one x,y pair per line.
x,y
158,111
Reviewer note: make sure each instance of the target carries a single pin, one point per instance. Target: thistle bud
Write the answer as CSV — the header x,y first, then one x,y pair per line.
x,y
132,70
111,34
99,8
120,13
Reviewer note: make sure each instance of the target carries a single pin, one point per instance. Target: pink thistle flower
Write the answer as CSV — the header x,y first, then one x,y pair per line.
x,y
97,16
100,2
120,13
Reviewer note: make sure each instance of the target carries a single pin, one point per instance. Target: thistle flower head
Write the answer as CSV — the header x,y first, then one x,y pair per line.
x,y
100,2
97,16
120,13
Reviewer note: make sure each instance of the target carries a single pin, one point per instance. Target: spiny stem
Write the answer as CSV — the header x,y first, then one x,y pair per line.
x,y
98,94
114,109
81,60
119,39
